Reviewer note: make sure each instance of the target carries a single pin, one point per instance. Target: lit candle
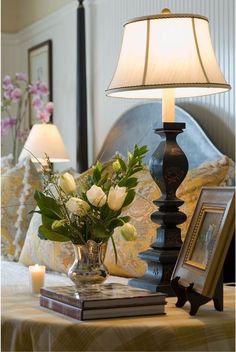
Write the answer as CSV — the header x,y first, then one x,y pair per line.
x,y
168,105
37,274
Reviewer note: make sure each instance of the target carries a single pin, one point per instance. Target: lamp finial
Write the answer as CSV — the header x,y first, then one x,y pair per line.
x,y
165,11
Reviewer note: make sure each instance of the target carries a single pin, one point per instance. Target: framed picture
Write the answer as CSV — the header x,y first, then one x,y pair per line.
x,y
208,238
40,69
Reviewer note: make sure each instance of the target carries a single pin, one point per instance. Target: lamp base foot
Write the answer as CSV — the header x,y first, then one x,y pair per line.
x,y
151,286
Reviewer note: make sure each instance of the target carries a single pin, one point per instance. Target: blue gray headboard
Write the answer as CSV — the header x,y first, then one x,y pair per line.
x,y
136,126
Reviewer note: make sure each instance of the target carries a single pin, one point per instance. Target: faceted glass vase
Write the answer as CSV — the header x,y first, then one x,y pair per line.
x,y
88,267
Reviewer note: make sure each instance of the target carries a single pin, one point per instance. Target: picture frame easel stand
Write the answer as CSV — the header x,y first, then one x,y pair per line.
x,y
196,299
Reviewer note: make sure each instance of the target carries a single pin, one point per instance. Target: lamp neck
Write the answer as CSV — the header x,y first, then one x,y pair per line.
x,y
168,105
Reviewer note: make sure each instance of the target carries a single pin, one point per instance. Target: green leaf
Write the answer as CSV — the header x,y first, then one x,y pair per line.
x,y
48,206
100,231
99,166
103,179
47,222
90,182
122,164
96,175
52,235
115,223
125,218
143,150
114,247
131,182
129,198
35,211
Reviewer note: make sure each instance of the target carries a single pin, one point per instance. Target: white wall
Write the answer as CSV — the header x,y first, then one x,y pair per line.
x,y
104,29
215,113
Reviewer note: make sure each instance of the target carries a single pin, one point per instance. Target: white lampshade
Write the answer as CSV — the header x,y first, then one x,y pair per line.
x,y
167,51
44,138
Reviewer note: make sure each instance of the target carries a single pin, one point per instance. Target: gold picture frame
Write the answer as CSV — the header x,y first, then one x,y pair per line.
x,y
40,69
210,232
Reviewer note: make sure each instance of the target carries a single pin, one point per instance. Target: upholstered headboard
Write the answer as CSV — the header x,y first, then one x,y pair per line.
x,y
136,126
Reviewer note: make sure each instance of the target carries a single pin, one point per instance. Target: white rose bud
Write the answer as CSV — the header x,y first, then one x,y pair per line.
x,y
77,206
67,183
96,196
128,231
116,197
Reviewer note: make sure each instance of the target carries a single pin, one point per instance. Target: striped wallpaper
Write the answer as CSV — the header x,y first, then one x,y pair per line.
x,y
105,18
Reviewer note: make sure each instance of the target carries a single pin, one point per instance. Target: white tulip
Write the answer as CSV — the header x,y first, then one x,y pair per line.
x,y
96,196
67,183
116,197
77,206
128,231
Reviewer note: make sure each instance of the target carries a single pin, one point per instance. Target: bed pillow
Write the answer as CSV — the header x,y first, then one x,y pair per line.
x,y
17,188
59,256
56,256
210,174
6,163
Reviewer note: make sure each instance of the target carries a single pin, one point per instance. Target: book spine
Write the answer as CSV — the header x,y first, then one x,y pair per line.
x,y
62,308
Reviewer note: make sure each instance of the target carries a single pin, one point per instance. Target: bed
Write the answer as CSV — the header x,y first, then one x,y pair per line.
x,y
28,327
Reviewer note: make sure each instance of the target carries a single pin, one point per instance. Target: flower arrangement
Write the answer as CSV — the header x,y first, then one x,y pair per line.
x,y
15,100
92,210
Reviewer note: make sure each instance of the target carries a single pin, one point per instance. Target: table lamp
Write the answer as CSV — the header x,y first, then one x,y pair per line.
x,y
166,56
44,138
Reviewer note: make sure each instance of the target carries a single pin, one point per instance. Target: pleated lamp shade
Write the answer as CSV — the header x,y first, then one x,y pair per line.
x,y
167,51
44,138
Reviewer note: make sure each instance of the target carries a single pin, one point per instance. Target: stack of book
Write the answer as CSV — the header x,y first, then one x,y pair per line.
x,y
102,301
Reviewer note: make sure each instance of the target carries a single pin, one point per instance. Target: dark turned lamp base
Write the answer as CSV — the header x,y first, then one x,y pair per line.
x,y
168,167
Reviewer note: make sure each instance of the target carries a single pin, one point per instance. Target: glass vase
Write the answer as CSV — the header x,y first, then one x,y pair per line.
x,y
88,267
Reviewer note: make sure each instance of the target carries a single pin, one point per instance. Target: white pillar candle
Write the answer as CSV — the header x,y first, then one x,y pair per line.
x,y
168,105
37,274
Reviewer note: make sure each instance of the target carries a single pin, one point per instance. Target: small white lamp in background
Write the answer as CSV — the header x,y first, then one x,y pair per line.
x,y
166,56
44,138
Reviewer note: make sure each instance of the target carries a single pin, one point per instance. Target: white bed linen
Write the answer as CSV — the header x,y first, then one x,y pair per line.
x,y
15,278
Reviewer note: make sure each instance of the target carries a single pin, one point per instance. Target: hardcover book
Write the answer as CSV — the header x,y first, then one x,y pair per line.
x,y
100,313
103,296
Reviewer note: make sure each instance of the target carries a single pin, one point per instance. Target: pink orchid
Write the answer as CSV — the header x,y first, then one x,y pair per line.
x,y
43,88
7,94
37,102
39,88
6,82
43,116
49,107
7,124
18,91
15,95
8,91
33,89
22,76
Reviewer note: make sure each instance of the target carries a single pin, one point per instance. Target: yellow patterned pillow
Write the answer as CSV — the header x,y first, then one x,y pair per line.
x,y
17,189
55,255
6,163
210,174
213,173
